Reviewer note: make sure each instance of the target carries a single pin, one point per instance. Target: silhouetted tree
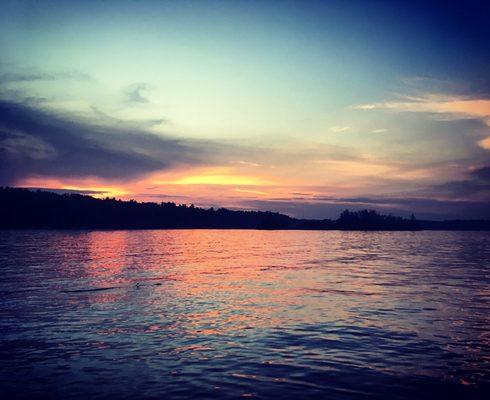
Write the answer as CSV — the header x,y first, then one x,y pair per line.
x,y
22,208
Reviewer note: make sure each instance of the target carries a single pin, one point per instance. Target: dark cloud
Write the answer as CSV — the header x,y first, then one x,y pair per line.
x,y
145,123
35,142
163,196
134,93
461,189
68,191
476,186
482,173
14,77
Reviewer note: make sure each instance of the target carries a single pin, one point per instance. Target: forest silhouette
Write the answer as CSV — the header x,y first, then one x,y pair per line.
x,y
27,209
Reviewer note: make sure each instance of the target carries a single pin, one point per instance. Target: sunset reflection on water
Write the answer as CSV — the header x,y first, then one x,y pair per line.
x,y
203,313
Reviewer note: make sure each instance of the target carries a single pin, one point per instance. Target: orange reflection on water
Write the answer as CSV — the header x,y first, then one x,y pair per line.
x,y
358,298
241,280
215,282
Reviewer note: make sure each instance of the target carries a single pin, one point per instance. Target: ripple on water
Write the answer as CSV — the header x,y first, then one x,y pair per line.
x,y
227,314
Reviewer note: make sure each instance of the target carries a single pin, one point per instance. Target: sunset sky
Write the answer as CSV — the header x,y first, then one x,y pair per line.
x,y
301,107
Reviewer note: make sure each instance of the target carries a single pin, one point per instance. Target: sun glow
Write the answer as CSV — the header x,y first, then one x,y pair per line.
x,y
219,180
84,186
222,176
98,192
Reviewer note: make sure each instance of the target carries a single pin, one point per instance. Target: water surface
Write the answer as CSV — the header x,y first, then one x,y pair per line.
x,y
224,314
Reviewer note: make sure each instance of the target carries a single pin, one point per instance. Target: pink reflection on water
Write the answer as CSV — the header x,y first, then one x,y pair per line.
x,y
345,297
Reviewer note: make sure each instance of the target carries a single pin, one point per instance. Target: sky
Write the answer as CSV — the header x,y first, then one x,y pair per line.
x,y
300,107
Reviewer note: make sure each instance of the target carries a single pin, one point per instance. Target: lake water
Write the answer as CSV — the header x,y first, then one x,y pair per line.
x,y
226,314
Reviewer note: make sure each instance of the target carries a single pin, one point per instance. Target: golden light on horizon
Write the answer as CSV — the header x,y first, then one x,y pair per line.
x,y
221,176
218,180
104,191
247,191
90,186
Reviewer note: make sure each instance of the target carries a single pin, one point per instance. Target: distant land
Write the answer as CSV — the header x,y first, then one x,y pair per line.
x,y
27,209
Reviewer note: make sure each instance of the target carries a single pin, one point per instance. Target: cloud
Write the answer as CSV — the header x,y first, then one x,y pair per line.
x,y
447,107
330,207
484,143
69,191
134,93
474,187
463,189
452,106
106,118
15,77
465,198
340,129
482,173
380,130
249,163
37,143
20,145
248,191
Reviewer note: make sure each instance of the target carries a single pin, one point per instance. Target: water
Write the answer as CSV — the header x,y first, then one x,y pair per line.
x,y
225,314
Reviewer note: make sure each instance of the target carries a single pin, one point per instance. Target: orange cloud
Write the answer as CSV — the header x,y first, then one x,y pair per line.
x,y
95,187
437,103
485,143
212,176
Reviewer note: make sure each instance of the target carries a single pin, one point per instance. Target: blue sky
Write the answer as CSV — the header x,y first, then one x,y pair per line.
x,y
301,107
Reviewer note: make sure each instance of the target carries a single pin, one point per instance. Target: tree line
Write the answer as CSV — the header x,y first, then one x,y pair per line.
x,y
28,209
